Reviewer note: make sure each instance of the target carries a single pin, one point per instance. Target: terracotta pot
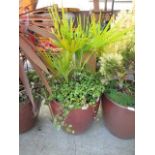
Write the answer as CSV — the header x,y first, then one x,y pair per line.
x,y
119,120
26,117
79,119
30,4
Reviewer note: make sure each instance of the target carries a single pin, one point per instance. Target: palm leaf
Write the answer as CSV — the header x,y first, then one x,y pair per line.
x,y
30,53
26,84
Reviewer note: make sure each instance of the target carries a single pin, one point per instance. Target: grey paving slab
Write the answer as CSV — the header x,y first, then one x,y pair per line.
x,y
45,139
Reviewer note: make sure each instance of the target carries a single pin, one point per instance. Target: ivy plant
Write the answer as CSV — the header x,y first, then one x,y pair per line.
x,y
83,88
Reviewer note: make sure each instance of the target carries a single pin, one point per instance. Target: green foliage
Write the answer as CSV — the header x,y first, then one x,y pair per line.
x,y
128,55
87,36
38,91
115,70
125,95
67,36
124,23
60,64
72,85
119,59
118,64
22,94
121,98
76,41
33,78
83,89
101,38
111,67
63,64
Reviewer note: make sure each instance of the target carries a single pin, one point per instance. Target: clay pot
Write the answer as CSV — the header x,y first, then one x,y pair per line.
x,y
79,119
119,120
27,119
30,4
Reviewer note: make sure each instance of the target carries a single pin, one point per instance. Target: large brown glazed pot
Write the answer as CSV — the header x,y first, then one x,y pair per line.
x,y
27,119
119,120
80,119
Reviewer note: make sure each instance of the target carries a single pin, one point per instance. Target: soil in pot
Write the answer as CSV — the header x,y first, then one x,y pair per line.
x,y
119,119
27,119
77,120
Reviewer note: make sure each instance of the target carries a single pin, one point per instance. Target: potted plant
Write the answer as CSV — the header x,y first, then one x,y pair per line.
x,y
74,103
27,118
29,93
30,90
29,99
75,93
76,88
118,106
117,69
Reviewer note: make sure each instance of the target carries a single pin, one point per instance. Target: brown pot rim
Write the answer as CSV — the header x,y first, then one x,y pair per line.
x,y
120,106
27,102
24,103
89,105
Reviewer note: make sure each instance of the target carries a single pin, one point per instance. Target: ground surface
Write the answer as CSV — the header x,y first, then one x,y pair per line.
x,y
44,139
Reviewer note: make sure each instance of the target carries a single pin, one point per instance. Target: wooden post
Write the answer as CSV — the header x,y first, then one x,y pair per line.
x,y
96,5
96,9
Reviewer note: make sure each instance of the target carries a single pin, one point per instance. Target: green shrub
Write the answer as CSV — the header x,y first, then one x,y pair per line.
x,y
82,89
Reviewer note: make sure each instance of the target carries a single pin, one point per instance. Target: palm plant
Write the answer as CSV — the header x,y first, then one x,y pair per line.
x,y
30,30
75,41
27,51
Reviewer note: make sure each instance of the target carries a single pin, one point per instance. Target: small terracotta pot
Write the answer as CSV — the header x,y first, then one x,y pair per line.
x,y
119,120
79,119
26,117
